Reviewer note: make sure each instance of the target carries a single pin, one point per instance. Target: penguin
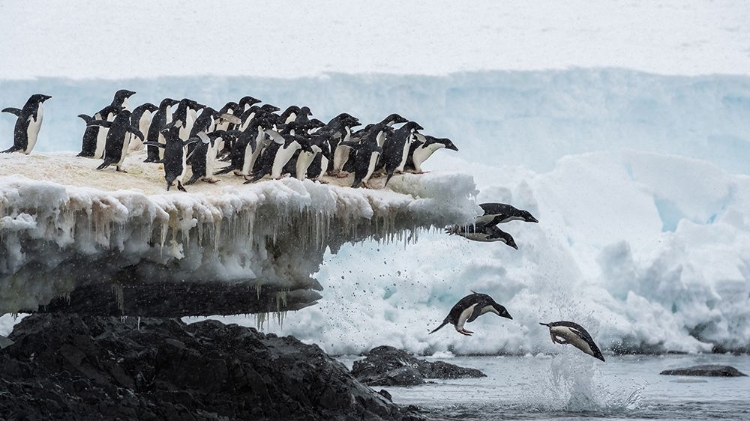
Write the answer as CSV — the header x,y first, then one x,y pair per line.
x,y
118,137
141,118
246,102
121,99
246,149
498,213
303,118
422,148
28,123
90,144
119,102
565,333
203,157
289,115
343,152
319,163
293,145
467,309
155,137
263,164
482,232
174,155
396,147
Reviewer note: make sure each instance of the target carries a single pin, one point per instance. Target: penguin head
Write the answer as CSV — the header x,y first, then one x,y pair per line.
x,y
305,111
123,94
248,101
509,240
413,125
270,108
39,98
149,107
447,143
527,216
394,119
501,311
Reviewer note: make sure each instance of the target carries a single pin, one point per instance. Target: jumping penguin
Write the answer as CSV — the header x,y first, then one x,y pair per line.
x,y
498,213
467,309
565,333
422,148
28,123
482,232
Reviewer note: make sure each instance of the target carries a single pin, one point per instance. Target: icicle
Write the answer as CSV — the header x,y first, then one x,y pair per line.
x,y
138,326
260,319
258,286
281,299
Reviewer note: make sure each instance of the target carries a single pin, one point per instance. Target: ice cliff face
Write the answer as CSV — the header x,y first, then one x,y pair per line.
x,y
254,246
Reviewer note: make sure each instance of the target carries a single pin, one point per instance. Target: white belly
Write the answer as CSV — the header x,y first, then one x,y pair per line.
x,y
340,156
421,154
283,155
303,163
32,131
570,336
371,168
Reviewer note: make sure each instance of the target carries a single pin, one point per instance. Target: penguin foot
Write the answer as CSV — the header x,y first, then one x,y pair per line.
x,y
210,180
464,332
180,187
121,170
342,174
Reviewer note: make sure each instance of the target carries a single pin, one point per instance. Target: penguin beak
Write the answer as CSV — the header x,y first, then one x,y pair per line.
x,y
532,219
452,147
45,97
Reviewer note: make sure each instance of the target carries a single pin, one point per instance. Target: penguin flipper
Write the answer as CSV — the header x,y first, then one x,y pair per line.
x,y
477,311
136,132
14,111
86,118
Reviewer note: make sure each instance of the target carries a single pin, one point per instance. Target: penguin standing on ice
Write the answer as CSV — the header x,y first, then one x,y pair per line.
x,y
118,137
155,137
467,309
482,232
174,155
499,213
203,157
141,118
119,102
90,147
396,147
28,123
565,333
422,148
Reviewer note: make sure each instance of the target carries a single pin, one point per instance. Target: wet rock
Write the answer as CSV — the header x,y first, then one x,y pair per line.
x,y
80,368
5,342
705,370
388,366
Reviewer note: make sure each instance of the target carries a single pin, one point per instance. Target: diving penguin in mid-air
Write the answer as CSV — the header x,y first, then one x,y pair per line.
x,y
469,308
482,232
565,333
499,213
28,123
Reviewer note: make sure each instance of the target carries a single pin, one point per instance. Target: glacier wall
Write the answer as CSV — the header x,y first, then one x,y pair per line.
x,y
497,118
638,181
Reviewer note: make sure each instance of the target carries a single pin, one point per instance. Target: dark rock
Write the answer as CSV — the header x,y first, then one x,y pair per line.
x,y
85,368
386,394
5,342
388,366
705,370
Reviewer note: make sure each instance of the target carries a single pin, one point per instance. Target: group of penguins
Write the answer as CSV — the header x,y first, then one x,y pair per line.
x,y
256,142
474,305
252,139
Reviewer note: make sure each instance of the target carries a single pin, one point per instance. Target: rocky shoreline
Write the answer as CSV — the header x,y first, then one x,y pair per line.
x,y
68,367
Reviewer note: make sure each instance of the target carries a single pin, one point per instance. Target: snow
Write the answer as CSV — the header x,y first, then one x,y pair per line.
x,y
622,126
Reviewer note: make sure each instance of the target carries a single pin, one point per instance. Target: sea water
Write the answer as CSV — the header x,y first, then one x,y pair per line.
x,y
573,385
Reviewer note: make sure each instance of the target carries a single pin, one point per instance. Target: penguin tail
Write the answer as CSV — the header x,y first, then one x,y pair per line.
x,y
445,322
12,149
